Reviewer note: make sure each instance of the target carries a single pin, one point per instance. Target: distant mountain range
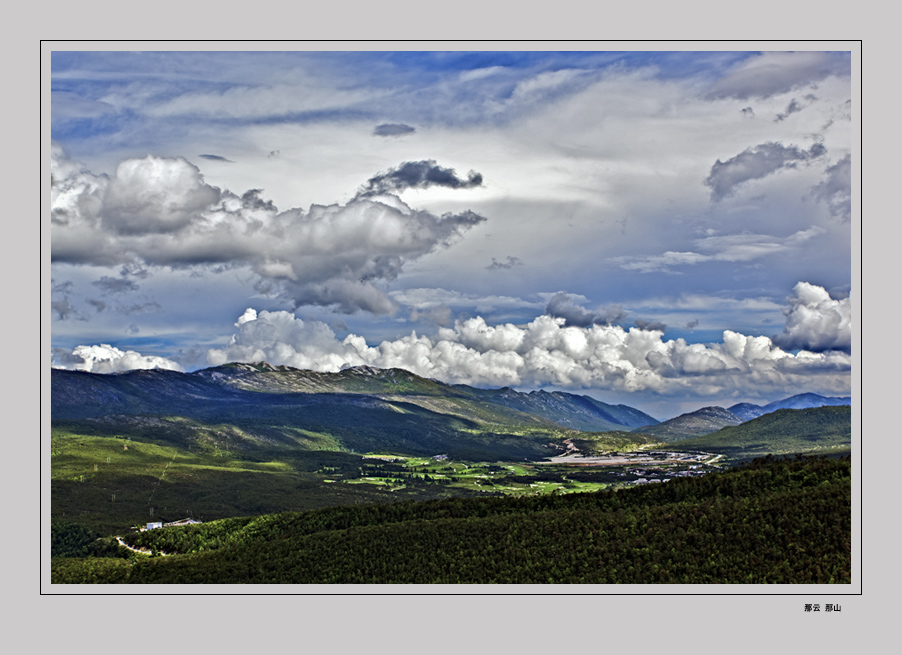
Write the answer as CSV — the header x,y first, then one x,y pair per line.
x,y
362,409
710,419
822,429
243,439
701,421
79,395
748,411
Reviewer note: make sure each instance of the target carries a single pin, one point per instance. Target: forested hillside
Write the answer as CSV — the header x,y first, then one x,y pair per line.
x,y
820,429
772,521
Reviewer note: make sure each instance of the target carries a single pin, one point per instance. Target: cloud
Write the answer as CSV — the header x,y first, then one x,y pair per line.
x,y
430,298
142,308
509,263
743,247
747,247
836,189
551,82
248,102
440,316
393,129
63,287
216,158
115,285
62,308
418,175
562,305
756,163
791,108
155,195
816,322
546,352
65,105
770,73
108,359
660,263
160,212
651,325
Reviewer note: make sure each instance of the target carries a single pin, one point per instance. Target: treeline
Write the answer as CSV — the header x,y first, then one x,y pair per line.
x,y
773,521
71,539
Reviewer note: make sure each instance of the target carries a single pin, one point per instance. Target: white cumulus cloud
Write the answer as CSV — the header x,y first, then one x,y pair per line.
x,y
160,212
545,352
109,359
817,322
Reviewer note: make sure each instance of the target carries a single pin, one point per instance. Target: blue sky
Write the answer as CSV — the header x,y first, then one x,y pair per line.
x,y
664,229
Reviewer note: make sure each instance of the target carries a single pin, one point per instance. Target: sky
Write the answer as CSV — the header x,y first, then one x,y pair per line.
x,y
668,230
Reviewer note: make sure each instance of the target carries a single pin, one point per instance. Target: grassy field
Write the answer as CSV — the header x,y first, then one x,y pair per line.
x,y
112,482
115,473
166,470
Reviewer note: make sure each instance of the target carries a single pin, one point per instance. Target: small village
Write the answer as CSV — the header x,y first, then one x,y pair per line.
x,y
159,524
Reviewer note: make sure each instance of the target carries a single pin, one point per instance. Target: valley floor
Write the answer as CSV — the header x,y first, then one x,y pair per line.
x,y
773,521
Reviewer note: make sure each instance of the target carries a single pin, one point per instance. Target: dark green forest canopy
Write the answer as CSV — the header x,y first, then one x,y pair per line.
x,y
773,521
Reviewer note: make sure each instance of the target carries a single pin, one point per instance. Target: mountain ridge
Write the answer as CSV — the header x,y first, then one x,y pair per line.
x,y
133,391
692,424
78,395
812,429
798,401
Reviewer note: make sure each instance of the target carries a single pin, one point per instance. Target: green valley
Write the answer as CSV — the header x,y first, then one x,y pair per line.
x,y
773,521
276,448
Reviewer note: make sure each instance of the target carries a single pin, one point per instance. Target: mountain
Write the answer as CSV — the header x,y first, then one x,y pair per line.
x,y
785,431
564,409
568,410
686,426
748,411
360,409
710,419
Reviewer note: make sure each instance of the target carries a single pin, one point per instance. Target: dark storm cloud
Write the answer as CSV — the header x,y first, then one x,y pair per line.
x,y
216,158
561,305
755,163
393,129
418,175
